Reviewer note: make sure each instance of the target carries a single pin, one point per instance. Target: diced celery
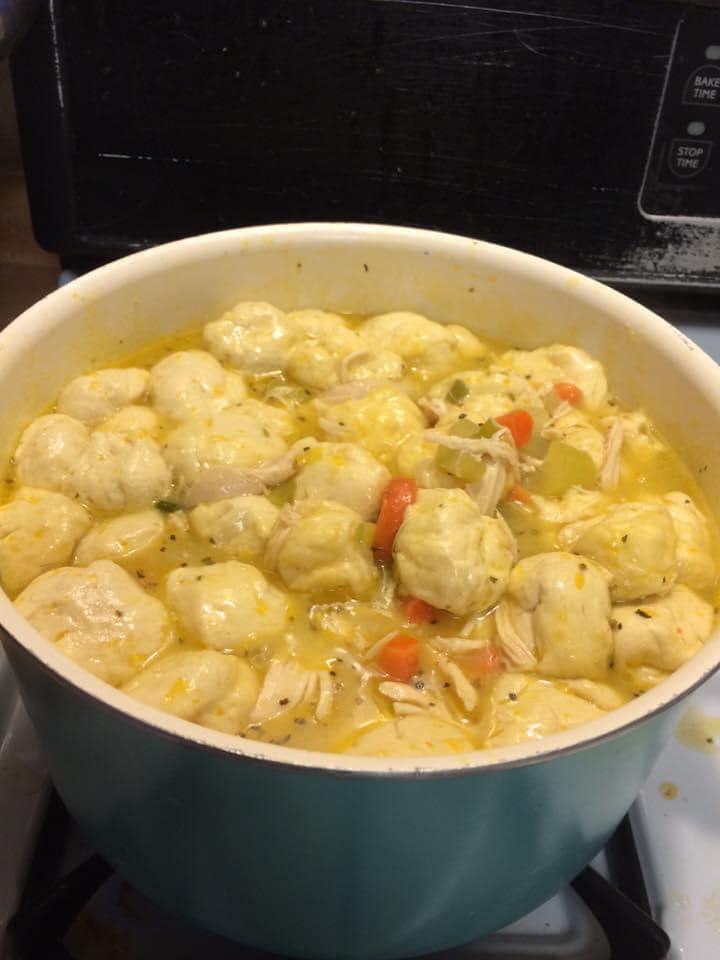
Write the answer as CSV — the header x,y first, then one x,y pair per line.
x,y
537,446
464,428
460,464
470,429
564,466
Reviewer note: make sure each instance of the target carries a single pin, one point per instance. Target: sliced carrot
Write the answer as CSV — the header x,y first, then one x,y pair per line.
x,y
399,657
419,611
520,495
520,425
399,494
484,664
568,391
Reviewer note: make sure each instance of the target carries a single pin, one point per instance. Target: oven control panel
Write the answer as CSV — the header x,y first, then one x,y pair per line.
x,y
682,178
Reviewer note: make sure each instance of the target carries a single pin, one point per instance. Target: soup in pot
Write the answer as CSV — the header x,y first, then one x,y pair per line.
x,y
372,535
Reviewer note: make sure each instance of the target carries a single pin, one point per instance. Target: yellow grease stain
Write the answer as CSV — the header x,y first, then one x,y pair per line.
x,y
668,789
711,911
698,731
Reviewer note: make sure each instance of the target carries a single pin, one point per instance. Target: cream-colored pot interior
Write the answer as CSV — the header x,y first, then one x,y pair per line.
x,y
494,291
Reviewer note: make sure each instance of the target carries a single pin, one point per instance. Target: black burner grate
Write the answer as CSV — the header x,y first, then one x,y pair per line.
x,y
42,927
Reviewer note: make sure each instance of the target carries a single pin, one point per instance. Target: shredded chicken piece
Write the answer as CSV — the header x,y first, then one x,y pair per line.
x,y
386,591
407,699
560,411
408,709
286,686
378,645
485,620
281,469
492,448
465,691
342,654
325,698
529,464
512,644
610,470
487,491
353,390
456,645
219,483
403,693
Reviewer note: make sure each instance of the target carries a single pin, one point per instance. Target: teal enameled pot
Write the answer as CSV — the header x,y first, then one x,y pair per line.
x,y
320,855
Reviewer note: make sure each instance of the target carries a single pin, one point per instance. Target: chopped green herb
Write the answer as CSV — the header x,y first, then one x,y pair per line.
x,y
457,392
167,506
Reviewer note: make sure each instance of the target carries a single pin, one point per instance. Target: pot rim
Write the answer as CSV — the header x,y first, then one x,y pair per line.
x,y
17,340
